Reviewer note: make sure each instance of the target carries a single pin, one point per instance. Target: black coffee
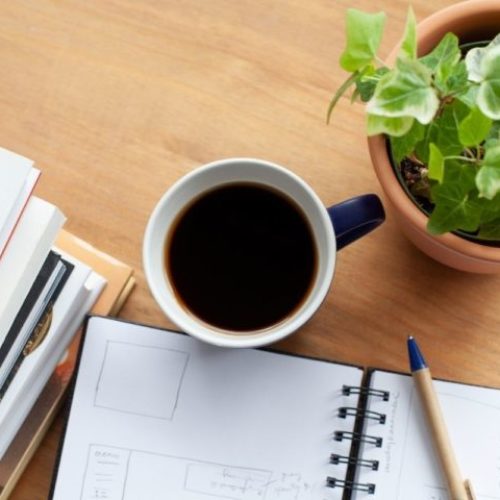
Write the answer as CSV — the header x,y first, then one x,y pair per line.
x,y
241,257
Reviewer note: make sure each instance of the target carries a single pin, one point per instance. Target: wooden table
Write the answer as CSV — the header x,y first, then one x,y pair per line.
x,y
117,99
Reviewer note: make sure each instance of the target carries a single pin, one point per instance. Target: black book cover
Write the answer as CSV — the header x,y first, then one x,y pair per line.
x,y
42,326
29,302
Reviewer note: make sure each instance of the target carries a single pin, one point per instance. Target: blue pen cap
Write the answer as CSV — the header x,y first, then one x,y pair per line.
x,y
417,361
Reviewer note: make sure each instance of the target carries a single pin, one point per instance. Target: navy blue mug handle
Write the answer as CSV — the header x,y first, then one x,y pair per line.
x,y
356,217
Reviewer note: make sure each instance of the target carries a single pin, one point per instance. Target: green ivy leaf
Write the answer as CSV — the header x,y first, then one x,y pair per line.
x,y
443,60
493,137
364,33
488,177
488,181
488,97
366,84
405,91
457,83
490,231
456,208
393,126
492,143
404,145
469,96
474,59
494,132
436,163
446,52
491,210
409,43
490,219
461,172
474,128
456,203
443,131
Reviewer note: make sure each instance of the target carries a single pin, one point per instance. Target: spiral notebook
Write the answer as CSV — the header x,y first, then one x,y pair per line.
x,y
158,415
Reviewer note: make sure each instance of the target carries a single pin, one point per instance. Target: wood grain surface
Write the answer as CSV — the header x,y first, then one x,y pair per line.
x,y
117,99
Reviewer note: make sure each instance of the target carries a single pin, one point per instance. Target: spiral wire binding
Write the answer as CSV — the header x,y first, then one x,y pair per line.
x,y
360,414
347,390
347,411
357,436
341,459
333,482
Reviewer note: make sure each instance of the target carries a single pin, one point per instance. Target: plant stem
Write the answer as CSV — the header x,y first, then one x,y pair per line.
x,y
462,158
469,152
340,92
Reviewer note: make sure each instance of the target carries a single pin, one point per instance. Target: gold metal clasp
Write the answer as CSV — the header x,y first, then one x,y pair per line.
x,y
39,333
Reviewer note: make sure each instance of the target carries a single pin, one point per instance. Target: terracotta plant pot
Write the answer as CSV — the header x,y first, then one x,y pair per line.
x,y
471,21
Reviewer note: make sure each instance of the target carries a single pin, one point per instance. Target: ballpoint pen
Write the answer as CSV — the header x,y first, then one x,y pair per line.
x,y
458,488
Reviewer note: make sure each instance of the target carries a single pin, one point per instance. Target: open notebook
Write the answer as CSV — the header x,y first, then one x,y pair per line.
x,y
158,415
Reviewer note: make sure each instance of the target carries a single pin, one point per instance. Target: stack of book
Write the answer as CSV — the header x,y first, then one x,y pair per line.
x,y
49,281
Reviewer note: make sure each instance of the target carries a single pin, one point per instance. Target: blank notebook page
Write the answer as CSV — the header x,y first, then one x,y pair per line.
x,y
159,415
408,466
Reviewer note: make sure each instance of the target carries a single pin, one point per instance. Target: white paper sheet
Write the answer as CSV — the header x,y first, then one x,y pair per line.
x,y
14,173
159,415
409,468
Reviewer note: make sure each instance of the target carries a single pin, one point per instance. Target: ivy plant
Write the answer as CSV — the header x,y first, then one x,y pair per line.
x,y
441,115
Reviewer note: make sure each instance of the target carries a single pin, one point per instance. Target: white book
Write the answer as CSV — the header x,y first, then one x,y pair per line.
x,y
17,180
24,257
76,299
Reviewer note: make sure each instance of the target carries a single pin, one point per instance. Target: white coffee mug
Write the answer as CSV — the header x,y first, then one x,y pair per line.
x,y
332,228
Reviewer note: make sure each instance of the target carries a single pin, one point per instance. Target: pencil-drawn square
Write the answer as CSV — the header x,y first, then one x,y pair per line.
x,y
141,380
